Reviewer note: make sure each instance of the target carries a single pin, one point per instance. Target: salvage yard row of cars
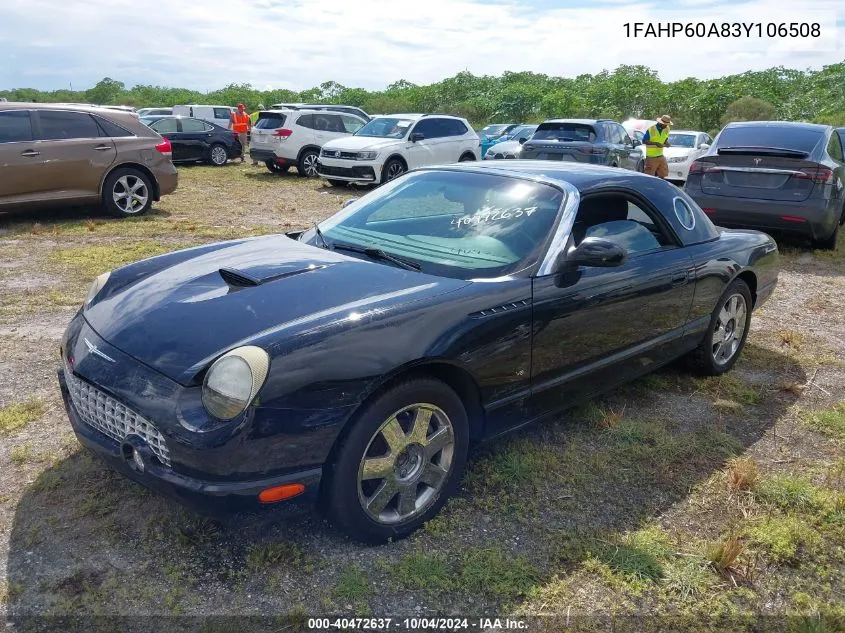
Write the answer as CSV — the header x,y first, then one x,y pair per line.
x,y
357,363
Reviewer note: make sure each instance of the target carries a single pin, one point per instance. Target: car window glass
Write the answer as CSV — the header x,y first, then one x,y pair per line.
x,y
270,121
15,127
834,148
684,214
306,120
431,128
565,132
456,224
621,220
56,125
110,129
222,113
350,123
165,126
193,125
455,127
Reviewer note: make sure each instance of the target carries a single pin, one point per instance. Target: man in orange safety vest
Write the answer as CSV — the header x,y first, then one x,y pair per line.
x,y
239,123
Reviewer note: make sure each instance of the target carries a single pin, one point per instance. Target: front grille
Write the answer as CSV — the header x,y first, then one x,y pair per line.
x,y
335,153
105,414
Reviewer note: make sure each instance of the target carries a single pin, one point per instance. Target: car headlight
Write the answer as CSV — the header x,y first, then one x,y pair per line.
x,y
234,380
367,155
98,284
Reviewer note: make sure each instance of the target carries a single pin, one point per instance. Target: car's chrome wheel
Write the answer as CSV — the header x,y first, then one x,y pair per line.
x,y
219,156
309,164
130,194
406,464
393,170
729,330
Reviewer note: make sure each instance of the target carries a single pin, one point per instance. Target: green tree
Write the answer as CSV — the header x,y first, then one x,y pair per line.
x,y
108,91
749,109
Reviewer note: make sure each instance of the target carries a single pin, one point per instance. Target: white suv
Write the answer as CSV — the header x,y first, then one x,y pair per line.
x,y
390,145
292,138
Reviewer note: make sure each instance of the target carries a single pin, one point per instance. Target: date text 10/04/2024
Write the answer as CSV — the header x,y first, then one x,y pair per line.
x,y
417,624
724,29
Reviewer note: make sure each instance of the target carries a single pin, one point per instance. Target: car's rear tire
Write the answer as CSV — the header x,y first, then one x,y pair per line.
x,y
127,192
828,243
392,169
217,155
275,167
307,166
726,334
402,458
337,183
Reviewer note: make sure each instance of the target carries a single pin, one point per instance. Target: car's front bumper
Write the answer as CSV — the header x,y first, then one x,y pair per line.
x,y
349,171
214,498
678,171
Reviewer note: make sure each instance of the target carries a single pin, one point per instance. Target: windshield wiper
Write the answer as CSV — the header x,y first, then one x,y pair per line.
x,y
377,253
322,237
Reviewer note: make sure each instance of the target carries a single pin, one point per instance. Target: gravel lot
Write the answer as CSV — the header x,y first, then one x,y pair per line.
x,y
616,510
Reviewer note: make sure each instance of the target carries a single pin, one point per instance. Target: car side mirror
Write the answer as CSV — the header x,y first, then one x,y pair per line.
x,y
594,252
704,146
417,136
636,143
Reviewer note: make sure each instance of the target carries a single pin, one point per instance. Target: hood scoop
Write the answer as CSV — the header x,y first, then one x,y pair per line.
x,y
237,279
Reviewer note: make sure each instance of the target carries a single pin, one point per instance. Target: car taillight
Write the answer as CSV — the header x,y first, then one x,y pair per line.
x,y
592,150
821,175
282,133
702,167
164,147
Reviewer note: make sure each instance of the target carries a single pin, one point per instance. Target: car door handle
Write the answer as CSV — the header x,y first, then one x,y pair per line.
x,y
30,152
680,278
103,148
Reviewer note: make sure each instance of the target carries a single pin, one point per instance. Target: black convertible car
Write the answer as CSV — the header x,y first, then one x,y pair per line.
x,y
359,361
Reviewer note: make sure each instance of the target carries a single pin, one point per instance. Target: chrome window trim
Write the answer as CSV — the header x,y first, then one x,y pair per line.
x,y
564,228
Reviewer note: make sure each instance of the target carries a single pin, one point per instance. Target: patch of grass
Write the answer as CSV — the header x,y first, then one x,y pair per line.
x,y
352,585
723,555
520,462
637,556
19,414
272,554
491,572
426,572
830,422
743,474
783,538
727,406
90,261
9,591
20,453
453,518
34,301
688,577
731,387
789,492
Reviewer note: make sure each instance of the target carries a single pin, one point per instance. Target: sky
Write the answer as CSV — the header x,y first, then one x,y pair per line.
x,y
299,44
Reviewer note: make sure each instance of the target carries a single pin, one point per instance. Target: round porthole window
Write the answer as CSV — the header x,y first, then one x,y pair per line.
x,y
684,214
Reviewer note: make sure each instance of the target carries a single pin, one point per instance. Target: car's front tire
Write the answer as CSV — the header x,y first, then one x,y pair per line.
x,y
726,335
403,457
392,169
127,192
307,166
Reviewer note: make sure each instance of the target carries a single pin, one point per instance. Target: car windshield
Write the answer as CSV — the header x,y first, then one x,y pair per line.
x,y
454,224
565,132
148,120
523,131
492,130
386,127
682,140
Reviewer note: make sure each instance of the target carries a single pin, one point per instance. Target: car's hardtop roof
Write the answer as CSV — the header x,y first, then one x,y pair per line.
x,y
784,124
576,121
581,176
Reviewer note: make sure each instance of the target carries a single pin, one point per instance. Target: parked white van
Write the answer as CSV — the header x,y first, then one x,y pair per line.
x,y
212,113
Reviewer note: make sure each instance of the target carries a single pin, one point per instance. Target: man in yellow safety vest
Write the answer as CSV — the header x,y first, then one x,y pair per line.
x,y
655,139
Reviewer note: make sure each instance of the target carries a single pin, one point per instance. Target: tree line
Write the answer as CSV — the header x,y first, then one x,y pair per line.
x,y
627,91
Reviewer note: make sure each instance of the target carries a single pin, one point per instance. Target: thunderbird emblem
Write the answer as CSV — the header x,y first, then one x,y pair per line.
x,y
93,349
757,161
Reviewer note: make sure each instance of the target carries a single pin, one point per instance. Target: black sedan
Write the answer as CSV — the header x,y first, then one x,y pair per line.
x,y
195,140
358,361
